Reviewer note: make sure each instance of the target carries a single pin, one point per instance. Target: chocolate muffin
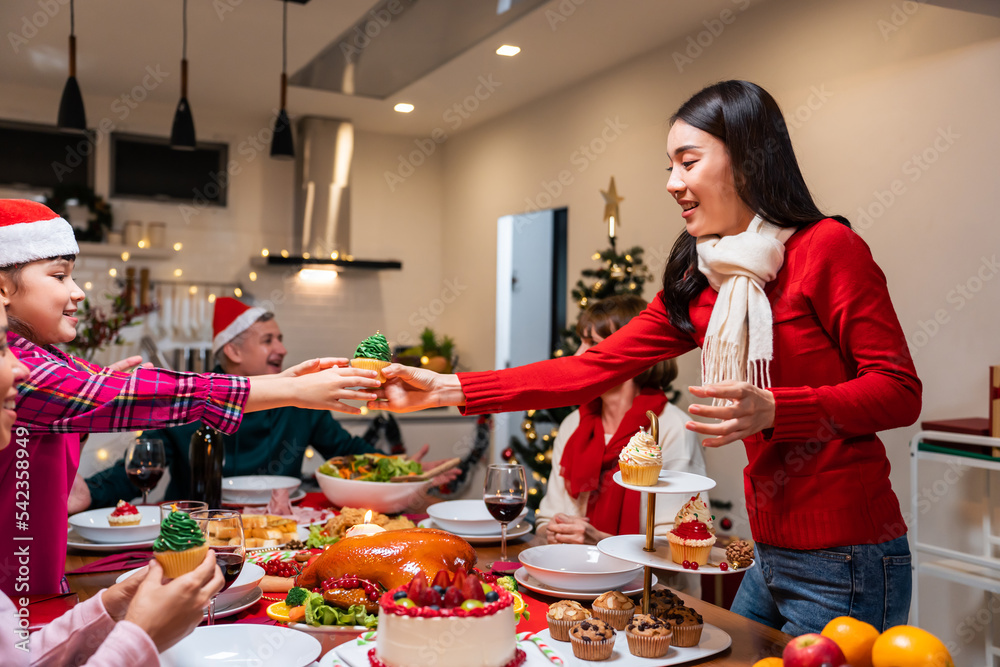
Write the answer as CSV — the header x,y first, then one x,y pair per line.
x,y
686,624
663,600
592,639
648,636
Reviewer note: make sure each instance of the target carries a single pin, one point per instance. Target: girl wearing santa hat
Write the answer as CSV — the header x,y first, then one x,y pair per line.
x,y
65,396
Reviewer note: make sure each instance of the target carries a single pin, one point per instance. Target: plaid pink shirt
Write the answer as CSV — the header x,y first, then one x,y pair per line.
x,y
62,397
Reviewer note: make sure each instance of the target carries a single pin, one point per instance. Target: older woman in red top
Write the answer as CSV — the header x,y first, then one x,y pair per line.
x,y
802,356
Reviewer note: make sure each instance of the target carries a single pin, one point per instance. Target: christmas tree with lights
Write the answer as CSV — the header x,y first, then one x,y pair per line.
x,y
619,272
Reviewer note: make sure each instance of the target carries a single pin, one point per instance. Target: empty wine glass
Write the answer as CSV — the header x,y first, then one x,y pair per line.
x,y
504,494
145,462
188,506
223,530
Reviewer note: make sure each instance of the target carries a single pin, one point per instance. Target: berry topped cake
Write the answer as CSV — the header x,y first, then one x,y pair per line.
x,y
373,354
455,622
125,515
693,534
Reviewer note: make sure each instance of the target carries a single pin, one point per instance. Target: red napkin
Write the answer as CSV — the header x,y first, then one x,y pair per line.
x,y
43,609
127,560
502,567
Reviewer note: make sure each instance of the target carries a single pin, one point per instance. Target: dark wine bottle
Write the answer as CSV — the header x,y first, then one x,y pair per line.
x,y
206,466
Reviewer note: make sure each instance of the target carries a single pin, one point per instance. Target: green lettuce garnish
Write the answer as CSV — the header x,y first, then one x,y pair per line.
x,y
318,613
317,540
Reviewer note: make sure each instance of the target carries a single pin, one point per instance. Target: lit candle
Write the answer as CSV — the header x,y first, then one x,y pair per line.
x,y
366,528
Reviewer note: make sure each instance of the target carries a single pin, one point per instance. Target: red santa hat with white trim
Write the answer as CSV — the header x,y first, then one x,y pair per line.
x,y
30,231
232,318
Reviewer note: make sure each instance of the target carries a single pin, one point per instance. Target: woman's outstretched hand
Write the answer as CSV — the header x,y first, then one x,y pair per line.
x,y
749,410
315,390
408,389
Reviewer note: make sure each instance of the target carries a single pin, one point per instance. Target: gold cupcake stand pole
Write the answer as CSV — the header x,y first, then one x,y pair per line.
x,y
647,571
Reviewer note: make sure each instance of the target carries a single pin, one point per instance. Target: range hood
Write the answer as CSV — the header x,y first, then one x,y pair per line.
x,y
322,223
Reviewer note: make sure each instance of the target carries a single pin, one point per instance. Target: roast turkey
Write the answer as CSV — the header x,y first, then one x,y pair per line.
x,y
391,558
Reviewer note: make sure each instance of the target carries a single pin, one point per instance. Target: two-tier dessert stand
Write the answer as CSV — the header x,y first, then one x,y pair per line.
x,y
654,552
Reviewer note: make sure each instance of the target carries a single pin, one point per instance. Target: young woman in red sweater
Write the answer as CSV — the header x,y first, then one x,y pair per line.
x,y
802,356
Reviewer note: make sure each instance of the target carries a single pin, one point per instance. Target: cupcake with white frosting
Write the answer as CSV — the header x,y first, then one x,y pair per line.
x,y
641,460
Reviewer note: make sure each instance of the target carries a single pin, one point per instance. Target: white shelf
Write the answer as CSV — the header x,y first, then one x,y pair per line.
x,y
135,253
960,572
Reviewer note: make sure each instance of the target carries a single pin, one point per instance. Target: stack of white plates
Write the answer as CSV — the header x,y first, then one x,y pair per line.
x,y
471,520
255,489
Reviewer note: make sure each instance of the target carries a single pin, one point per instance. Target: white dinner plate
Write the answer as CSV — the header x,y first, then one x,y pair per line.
x,y
520,530
295,497
630,547
672,481
256,488
242,644
523,578
93,526
245,602
77,541
713,640
355,653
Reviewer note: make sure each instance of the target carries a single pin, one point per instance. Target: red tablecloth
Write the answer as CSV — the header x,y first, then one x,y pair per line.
x,y
537,607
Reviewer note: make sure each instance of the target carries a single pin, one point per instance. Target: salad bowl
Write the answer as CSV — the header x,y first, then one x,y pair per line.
x,y
363,481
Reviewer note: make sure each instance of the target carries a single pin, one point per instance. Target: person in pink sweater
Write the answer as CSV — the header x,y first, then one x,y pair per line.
x,y
122,626
803,360
65,396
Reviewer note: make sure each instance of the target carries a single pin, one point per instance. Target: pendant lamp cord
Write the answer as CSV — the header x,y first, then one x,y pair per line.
x,y
184,48
72,19
284,38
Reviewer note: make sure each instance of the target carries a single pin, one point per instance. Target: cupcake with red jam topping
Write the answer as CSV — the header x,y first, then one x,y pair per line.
x,y
125,515
693,534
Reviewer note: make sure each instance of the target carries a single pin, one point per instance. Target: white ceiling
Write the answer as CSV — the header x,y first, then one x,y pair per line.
x,y
235,56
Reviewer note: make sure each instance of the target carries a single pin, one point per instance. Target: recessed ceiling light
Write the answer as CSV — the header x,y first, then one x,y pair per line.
x,y
508,50
403,107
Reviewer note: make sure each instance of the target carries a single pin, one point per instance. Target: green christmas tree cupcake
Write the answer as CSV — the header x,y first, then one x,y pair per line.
x,y
180,546
373,354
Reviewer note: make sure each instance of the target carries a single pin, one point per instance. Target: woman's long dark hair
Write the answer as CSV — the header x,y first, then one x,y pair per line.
x,y
748,121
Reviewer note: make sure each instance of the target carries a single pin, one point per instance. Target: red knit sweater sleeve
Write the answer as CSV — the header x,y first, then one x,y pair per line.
x,y
646,339
849,295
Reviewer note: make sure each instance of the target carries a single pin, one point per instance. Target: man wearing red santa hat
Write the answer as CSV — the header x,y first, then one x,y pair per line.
x,y
247,341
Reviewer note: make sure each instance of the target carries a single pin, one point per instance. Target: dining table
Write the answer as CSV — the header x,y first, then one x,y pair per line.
x,y
751,641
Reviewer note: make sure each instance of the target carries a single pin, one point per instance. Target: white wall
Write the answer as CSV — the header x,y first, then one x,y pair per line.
x,y
867,87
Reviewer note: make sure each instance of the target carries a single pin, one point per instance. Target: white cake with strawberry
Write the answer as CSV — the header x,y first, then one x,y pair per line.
x,y
456,621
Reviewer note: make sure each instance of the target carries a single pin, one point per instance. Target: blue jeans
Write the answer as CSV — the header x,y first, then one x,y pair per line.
x,y
800,591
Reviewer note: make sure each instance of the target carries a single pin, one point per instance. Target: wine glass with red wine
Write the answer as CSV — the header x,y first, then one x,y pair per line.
x,y
504,494
223,530
145,461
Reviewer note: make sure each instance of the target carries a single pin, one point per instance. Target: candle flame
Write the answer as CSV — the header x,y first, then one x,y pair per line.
x,y
368,517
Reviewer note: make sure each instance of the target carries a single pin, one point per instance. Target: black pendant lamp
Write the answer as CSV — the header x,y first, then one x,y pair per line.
x,y
282,143
182,134
72,116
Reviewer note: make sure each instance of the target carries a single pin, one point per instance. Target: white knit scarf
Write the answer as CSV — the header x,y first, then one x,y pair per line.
x,y
739,340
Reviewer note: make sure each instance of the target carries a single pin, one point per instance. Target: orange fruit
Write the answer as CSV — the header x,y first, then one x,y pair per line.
x,y
769,662
907,646
278,611
855,638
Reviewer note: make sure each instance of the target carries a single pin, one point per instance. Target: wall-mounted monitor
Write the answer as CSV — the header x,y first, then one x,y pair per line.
x,y
148,168
42,157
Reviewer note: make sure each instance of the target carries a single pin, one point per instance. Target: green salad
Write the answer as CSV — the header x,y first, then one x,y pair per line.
x,y
370,467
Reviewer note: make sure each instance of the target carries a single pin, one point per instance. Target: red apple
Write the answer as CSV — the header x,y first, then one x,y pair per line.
x,y
812,650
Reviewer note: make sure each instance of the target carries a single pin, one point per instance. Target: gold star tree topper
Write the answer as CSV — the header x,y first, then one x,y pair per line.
x,y
611,200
